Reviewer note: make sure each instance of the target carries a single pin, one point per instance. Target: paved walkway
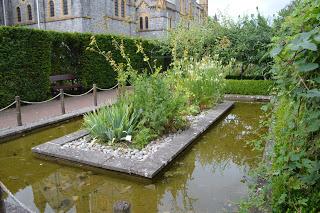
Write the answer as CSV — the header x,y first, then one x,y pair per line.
x,y
37,112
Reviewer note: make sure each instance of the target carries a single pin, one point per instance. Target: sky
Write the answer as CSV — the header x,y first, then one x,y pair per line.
x,y
234,8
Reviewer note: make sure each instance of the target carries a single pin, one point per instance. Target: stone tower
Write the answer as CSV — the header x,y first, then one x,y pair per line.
x,y
204,4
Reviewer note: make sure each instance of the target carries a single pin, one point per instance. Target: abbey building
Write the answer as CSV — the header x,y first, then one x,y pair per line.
x,y
145,18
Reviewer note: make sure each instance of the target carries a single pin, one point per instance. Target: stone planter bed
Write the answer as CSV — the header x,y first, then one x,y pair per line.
x,y
79,147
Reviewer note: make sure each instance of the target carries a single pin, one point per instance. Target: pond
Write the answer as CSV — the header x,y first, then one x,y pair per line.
x,y
208,177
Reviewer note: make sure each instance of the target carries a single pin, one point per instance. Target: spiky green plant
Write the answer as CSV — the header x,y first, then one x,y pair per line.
x,y
112,124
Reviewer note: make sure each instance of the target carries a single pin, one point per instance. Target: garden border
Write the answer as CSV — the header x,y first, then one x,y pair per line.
x,y
245,98
148,168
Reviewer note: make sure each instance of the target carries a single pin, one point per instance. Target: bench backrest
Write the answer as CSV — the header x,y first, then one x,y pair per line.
x,y
55,78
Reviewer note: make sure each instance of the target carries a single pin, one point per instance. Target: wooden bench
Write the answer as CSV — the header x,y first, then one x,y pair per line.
x,y
65,82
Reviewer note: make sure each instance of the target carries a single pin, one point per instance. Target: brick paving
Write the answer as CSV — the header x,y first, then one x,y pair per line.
x,y
37,112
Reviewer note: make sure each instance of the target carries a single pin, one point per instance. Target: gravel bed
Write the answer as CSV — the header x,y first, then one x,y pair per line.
x,y
86,143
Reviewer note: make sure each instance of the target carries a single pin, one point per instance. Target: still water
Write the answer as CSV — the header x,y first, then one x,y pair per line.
x,y
206,178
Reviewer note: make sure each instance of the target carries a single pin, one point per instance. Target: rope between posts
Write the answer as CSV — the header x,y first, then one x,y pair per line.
x,y
78,95
51,99
109,88
7,107
40,102
4,188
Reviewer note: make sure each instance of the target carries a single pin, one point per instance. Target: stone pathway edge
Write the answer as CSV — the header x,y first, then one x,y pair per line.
x,y
148,168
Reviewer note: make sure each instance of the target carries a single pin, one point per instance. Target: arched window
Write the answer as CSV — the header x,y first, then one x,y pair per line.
x,y
123,9
29,12
18,14
116,8
146,20
141,23
51,5
65,7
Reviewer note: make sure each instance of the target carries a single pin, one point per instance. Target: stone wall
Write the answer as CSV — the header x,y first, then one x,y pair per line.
x,y
98,16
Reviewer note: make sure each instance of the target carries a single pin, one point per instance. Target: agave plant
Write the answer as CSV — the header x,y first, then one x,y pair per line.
x,y
113,124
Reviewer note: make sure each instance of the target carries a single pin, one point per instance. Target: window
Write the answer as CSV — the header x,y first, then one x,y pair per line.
x,y
18,14
123,9
51,5
116,8
29,12
141,23
170,22
65,7
146,20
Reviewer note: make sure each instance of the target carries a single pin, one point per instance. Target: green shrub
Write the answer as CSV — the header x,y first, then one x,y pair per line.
x,y
161,107
248,87
112,124
291,173
204,82
24,64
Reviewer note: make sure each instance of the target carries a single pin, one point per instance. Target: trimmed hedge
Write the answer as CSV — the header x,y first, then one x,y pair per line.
x,y
25,64
247,77
248,87
28,57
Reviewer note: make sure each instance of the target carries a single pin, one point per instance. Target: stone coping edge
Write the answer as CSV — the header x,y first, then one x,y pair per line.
x,y
15,132
253,98
148,168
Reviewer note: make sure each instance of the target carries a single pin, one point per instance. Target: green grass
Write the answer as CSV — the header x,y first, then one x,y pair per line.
x,y
248,87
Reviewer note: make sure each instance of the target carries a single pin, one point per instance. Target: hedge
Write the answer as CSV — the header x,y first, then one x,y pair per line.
x,y
25,64
247,77
28,57
248,87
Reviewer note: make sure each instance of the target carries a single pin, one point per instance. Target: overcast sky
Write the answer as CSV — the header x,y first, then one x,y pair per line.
x,y
241,7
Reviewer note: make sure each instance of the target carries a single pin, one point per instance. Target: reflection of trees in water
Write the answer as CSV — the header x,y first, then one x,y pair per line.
x,y
227,142
220,147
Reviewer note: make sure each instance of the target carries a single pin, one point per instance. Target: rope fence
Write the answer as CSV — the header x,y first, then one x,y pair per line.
x,y
109,88
7,107
61,96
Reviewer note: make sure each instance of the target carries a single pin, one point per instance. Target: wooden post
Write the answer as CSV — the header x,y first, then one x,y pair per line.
x,y
2,205
63,109
95,98
121,207
18,111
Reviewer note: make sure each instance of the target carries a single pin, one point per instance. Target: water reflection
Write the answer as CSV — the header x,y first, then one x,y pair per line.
x,y
207,178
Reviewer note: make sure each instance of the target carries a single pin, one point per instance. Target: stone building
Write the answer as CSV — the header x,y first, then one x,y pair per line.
x,y
145,18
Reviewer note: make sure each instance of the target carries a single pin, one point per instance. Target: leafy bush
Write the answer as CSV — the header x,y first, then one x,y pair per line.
x,y
112,124
292,176
202,82
246,41
249,87
161,107
248,77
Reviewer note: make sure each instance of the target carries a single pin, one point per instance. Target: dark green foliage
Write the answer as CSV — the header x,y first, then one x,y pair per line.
x,y
244,77
293,173
248,87
245,41
28,57
25,64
